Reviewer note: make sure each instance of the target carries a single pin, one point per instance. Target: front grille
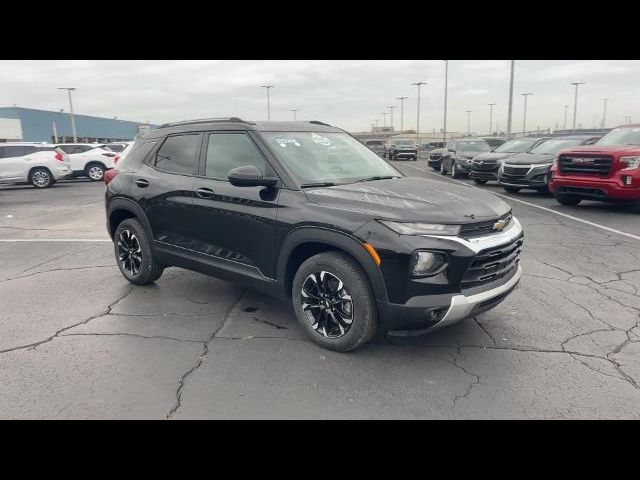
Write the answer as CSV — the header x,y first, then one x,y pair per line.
x,y
435,156
584,163
482,228
515,171
485,166
493,264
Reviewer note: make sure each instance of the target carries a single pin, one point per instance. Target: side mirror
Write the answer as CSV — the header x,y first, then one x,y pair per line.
x,y
249,176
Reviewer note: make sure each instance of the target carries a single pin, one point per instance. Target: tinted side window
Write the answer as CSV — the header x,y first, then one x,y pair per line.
x,y
178,154
2,151
18,151
227,151
137,156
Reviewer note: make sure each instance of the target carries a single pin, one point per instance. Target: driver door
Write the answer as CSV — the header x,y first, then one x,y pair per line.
x,y
234,224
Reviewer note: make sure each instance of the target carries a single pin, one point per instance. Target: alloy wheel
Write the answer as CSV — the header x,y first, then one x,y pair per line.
x,y
327,304
41,178
96,173
129,252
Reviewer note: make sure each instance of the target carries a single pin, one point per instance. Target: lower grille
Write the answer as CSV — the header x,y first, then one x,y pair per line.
x,y
515,171
493,264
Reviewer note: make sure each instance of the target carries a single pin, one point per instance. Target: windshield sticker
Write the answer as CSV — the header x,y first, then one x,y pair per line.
x,y
284,142
321,140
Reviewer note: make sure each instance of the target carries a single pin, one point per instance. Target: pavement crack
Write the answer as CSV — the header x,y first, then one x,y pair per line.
x,y
275,325
123,334
54,270
475,382
202,356
485,330
69,327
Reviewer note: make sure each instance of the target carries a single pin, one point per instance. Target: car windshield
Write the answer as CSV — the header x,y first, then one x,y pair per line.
x,y
554,146
327,157
479,146
517,146
403,142
374,142
621,136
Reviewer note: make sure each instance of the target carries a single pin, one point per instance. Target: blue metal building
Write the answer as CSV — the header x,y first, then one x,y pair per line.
x,y
32,125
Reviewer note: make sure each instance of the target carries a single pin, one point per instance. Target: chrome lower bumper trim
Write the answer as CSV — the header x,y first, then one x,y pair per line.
x,y
461,305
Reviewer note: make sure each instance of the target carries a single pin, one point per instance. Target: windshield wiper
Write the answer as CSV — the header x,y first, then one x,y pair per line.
x,y
318,184
376,177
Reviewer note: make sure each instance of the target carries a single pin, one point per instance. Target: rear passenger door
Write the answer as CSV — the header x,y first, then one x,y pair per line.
x,y
164,188
235,224
14,165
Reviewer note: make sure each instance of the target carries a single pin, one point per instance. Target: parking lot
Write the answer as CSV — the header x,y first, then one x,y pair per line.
x,y
78,341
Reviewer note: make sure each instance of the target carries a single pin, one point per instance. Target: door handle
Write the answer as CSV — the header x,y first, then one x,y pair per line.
x,y
205,192
142,183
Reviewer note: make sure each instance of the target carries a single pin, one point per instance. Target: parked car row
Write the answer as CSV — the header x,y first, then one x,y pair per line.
x,y
573,167
42,164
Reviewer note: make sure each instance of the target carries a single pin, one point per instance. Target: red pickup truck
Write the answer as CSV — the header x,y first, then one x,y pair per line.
x,y
608,170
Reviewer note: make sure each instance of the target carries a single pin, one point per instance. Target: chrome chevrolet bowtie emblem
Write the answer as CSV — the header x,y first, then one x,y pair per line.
x,y
500,224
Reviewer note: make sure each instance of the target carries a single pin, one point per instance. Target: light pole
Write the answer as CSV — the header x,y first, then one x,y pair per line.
x,y
510,99
384,118
73,120
390,107
524,119
604,113
294,114
469,122
575,103
418,84
402,99
491,105
446,74
268,87
566,107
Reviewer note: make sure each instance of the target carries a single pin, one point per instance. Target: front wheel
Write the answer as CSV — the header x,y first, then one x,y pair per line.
x,y
41,178
443,171
136,261
479,182
511,189
569,201
333,302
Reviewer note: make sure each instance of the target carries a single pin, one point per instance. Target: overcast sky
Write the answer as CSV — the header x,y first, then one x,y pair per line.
x,y
346,93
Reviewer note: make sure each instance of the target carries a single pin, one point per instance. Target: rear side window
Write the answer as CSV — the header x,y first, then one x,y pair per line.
x,y
137,155
178,154
18,150
227,151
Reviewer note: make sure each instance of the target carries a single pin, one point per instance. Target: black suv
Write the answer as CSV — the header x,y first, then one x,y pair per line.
x,y
401,148
304,211
459,154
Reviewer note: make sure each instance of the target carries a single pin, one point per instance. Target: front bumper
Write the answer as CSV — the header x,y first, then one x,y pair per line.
x,y
405,154
535,177
590,188
483,174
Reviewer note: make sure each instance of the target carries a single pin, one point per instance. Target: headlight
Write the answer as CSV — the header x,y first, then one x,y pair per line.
x,y
424,264
631,162
422,228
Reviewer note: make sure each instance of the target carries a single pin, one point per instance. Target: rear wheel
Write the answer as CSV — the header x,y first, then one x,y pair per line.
x,y
511,189
133,253
333,302
40,178
567,200
94,171
479,182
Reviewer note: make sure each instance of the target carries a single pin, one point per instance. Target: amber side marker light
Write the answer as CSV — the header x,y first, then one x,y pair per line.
x,y
373,252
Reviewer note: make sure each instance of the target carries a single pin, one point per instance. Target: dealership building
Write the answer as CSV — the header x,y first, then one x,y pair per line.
x,y
31,125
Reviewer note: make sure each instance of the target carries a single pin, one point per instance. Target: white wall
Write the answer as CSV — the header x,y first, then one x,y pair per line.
x,y
10,129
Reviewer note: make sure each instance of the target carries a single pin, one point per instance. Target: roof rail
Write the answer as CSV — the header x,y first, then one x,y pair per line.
x,y
206,120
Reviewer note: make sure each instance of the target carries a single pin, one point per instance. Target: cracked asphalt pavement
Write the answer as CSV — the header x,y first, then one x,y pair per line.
x,y
78,341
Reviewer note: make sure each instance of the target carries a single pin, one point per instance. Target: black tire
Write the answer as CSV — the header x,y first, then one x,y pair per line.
x,y
364,321
477,181
568,200
511,189
415,159
149,269
94,171
41,178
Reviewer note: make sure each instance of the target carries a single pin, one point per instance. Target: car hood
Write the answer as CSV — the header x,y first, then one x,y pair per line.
x,y
604,149
489,157
530,158
413,199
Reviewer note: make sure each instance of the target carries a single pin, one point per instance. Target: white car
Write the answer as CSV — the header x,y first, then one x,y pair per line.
x,y
39,164
89,159
123,153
